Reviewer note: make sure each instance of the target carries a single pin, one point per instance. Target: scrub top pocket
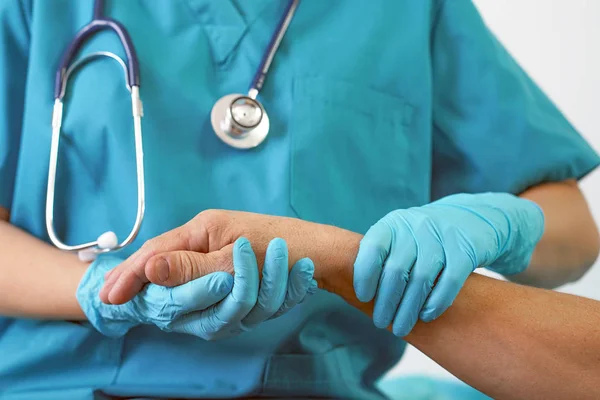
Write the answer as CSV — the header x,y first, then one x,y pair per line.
x,y
350,153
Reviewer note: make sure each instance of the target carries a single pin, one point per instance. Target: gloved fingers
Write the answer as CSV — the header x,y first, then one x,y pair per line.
x,y
178,267
244,294
430,262
131,271
394,278
460,263
447,288
224,319
301,285
273,285
203,324
201,293
372,253
312,289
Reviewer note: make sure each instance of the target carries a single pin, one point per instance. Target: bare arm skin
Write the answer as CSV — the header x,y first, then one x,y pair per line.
x,y
569,246
36,279
509,341
570,243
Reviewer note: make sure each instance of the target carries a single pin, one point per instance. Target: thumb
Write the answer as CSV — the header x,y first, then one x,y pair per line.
x,y
202,293
175,268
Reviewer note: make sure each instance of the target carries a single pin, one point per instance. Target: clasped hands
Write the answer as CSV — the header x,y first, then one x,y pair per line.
x,y
195,292
413,262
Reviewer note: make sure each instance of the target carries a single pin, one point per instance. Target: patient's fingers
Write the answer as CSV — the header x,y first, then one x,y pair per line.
x,y
187,237
181,267
178,267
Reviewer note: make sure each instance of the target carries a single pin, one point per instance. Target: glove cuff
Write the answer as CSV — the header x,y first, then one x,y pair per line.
x,y
518,222
526,227
110,320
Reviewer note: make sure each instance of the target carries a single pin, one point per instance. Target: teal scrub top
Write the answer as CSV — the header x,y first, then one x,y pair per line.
x,y
374,106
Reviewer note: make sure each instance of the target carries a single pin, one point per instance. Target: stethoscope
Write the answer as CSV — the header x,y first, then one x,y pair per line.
x,y
238,120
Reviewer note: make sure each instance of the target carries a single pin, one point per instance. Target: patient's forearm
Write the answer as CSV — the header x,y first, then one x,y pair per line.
x,y
509,341
515,342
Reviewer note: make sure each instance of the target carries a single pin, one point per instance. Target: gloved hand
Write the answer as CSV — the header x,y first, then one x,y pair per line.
x,y
192,308
403,254
277,295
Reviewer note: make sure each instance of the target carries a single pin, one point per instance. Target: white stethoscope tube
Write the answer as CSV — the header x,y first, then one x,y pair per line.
x,y
239,120
107,241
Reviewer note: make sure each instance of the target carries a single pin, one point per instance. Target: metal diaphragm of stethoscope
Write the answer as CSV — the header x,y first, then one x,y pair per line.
x,y
238,120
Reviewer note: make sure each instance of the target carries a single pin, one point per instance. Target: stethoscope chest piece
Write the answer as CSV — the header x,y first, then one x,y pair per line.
x,y
240,121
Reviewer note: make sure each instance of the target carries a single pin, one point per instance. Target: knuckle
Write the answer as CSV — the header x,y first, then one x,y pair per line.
x,y
149,247
212,219
188,268
207,215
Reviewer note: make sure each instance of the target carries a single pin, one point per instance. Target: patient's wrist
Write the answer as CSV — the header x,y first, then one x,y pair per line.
x,y
335,253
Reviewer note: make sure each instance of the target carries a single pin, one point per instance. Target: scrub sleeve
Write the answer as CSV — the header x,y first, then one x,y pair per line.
x,y
14,40
34,354
494,129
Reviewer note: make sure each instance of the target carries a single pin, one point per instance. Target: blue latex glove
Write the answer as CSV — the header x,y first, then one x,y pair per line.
x,y
403,254
277,295
211,307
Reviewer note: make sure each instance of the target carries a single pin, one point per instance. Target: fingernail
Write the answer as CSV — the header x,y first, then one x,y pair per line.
x,y
162,269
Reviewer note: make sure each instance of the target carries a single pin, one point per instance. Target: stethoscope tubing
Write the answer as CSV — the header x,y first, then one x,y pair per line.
x,y
267,59
107,242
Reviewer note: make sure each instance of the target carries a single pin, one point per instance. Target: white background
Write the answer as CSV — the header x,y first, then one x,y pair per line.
x,y
558,44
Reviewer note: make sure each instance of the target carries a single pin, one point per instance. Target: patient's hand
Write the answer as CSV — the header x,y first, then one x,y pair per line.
x,y
201,246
